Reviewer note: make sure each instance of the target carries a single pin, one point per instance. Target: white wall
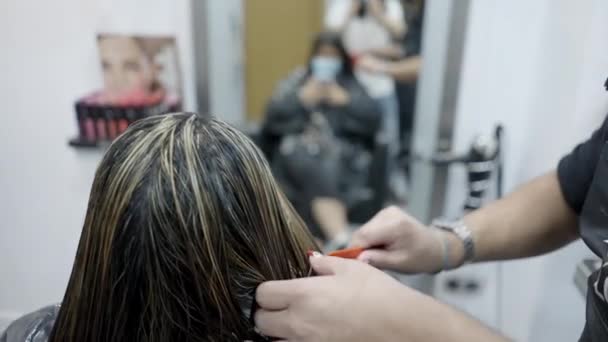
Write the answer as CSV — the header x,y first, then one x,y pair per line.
x,y
538,67
48,60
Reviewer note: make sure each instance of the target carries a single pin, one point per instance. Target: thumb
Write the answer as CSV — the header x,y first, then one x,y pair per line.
x,y
383,229
379,258
372,234
327,265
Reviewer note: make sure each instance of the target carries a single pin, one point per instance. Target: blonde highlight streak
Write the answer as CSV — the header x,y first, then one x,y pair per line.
x,y
200,198
170,169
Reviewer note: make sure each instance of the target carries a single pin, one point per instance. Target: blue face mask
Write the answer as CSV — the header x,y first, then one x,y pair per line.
x,y
325,69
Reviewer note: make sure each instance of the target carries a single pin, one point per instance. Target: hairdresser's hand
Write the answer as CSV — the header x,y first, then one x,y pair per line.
x,y
376,8
311,93
372,64
355,7
398,242
350,301
336,95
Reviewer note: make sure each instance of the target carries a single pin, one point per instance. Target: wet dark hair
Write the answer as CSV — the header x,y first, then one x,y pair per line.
x,y
335,40
184,221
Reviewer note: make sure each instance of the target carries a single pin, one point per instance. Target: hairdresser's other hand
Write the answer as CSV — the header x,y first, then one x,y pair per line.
x,y
311,93
372,64
349,301
394,240
336,95
375,8
355,7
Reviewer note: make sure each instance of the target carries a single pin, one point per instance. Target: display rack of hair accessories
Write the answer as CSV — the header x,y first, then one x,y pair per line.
x,y
101,120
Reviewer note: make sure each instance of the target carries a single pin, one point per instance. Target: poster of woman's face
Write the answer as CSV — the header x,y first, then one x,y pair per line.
x,y
138,65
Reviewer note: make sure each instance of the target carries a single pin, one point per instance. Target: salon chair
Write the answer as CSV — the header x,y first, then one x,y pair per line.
x,y
362,202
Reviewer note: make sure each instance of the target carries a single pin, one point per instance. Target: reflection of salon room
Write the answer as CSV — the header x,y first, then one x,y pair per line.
x,y
163,161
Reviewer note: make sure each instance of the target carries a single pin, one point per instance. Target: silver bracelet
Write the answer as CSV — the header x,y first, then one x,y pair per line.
x,y
460,229
445,249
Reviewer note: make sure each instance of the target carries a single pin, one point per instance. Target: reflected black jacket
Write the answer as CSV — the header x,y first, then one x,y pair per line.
x,y
357,122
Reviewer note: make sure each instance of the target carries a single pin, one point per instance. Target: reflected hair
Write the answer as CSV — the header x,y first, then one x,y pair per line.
x,y
332,39
184,222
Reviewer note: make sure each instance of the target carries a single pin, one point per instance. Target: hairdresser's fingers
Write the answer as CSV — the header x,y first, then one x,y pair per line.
x,y
378,231
273,323
379,258
383,229
327,265
277,295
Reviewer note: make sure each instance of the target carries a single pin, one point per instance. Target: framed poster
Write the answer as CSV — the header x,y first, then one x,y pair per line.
x,y
139,66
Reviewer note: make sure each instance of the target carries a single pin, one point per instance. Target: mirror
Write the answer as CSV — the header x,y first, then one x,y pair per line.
x,y
331,93
353,103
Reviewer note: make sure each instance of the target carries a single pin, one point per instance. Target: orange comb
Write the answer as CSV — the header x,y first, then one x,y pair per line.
x,y
348,253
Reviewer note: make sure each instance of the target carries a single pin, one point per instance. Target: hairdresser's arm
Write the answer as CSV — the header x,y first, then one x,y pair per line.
x,y
352,301
533,220
395,26
390,52
405,70
340,14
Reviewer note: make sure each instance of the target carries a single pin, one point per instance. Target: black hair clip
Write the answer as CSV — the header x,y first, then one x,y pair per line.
x,y
606,84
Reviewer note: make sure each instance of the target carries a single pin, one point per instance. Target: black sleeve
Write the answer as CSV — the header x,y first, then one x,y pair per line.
x,y
285,114
575,171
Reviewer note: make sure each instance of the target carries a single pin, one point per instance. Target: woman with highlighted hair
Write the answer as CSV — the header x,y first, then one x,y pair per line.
x,y
184,221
